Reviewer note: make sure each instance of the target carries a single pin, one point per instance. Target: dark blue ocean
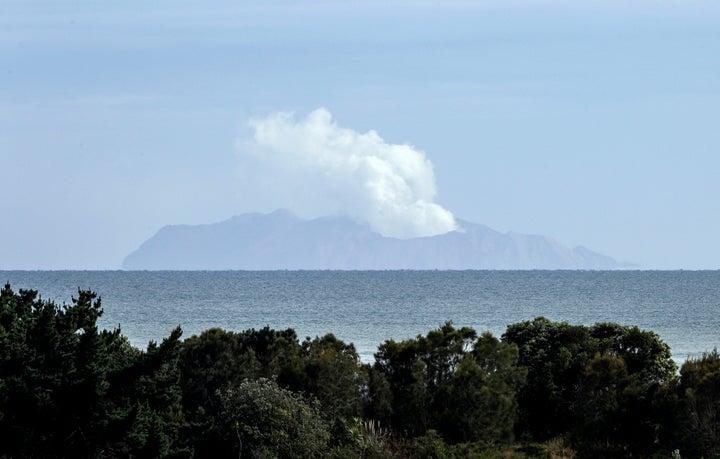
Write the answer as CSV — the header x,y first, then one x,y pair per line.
x,y
368,307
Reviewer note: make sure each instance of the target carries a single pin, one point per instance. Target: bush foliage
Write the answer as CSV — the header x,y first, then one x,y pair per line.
x,y
545,389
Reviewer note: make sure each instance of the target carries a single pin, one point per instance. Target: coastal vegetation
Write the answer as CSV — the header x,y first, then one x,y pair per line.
x,y
542,390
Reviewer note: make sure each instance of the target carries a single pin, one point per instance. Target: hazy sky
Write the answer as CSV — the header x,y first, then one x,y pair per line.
x,y
594,123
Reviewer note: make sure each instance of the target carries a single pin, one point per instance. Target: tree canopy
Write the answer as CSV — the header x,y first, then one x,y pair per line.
x,y
545,389
68,389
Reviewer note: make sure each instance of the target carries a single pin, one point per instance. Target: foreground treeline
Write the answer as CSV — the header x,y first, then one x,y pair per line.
x,y
545,389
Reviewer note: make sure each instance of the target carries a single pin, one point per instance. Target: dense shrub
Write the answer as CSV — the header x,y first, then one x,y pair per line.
x,y
272,422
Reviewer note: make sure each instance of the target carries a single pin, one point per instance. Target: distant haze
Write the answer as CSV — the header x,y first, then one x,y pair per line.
x,y
314,167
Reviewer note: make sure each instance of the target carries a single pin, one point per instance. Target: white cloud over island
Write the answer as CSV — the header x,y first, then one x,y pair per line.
x,y
314,167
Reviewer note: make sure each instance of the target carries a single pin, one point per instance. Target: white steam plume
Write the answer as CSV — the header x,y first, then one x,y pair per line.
x,y
314,168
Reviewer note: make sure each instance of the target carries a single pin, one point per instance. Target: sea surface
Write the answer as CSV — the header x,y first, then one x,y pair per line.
x,y
369,307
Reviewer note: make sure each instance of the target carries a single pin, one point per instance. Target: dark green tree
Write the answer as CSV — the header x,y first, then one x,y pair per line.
x,y
643,352
335,376
68,389
597,384
699,393
145,415
209,362
379,403
218,359
451,381
600,409
278,353
478,403
555,356
416,369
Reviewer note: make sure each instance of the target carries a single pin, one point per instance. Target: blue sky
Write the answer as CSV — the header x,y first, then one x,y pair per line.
x,y
594,123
